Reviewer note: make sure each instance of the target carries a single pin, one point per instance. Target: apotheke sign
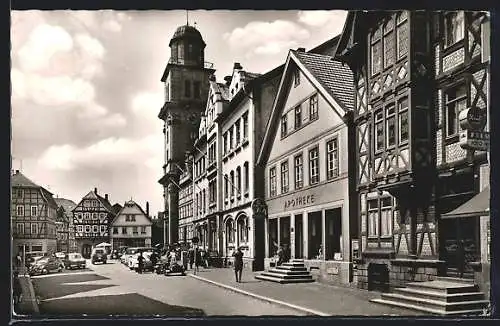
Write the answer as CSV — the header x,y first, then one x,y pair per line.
x,y
473,121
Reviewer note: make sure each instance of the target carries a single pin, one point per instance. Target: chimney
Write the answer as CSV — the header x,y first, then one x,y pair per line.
x,y
228,80
147,208
106,197
237,65
301,50
95,191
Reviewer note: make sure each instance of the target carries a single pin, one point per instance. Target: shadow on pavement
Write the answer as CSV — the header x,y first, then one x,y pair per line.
x,y
131,304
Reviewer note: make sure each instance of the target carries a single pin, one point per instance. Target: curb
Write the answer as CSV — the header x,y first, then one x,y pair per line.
x,y
260,297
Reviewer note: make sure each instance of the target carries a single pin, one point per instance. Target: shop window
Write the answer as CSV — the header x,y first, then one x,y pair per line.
x,y
284,177
333,225
298,117
283,125
314,166
315,236
332,159
284,235
403,120
313,107
456,101
299,171
390,120
454,27
272,181
379,131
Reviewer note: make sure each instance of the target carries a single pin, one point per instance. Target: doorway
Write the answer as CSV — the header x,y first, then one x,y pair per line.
x,y
86,250
378,277
299,237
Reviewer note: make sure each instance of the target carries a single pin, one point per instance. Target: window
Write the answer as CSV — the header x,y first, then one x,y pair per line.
x,y
376,52
224,149
242,230
389,53
115,230
196,89
298,117
20,228
20,210
332,159
124,230
79,228
204,203
167,92
237,132
187,88
245,126
402,34
230,139
19,193
456,101
284,177
229,231
313,107
283,125
390,121
373,218
238,181
272,181
33,228
403,120
232,183
226,194
247,176
454,27
212,191
379,131
386,217
296,78
299,171
143,230
314,166
134,230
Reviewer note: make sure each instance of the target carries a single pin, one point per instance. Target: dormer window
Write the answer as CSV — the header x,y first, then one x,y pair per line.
x,y
454,27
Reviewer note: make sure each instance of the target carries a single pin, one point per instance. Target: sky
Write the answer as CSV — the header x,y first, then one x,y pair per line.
x,y
86,89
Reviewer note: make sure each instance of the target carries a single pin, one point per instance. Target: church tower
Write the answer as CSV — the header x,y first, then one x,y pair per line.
x,y
186,90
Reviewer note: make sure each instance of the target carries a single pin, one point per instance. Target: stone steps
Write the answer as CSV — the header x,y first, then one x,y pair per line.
x,y
443,296
289,272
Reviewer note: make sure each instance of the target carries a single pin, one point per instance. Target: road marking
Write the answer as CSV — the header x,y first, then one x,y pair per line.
x,y
61,274
250,294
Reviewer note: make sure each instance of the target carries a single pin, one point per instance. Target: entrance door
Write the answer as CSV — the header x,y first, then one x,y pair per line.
x,y
461,246
299,237
86,251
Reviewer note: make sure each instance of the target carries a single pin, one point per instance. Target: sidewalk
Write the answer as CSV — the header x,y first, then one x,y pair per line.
x,y
312,298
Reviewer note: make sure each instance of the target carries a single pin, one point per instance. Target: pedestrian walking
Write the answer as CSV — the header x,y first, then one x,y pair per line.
x,y
154,259
280,254
140,262
238,264
191,258
197,259
205,259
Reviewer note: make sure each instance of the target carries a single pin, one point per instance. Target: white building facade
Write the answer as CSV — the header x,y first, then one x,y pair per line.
x,y
131,227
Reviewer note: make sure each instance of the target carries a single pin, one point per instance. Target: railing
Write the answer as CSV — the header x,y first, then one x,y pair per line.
x,y
206,64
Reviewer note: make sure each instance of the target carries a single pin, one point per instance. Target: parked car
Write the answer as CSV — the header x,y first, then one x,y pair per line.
x,y
130,252
46,265
134,262
98,255
60,255
74,260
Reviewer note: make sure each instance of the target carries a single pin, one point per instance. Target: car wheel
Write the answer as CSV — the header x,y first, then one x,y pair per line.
x,y
45,271
59,269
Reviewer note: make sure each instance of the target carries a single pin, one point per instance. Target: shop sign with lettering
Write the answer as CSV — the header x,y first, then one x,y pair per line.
x,y
299,201
475,140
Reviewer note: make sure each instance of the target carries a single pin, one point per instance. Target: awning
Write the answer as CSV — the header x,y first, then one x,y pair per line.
x,y
104,244
479,205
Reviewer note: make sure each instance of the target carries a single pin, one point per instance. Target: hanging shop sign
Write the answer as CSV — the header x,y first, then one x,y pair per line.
x,y
473,120
475,140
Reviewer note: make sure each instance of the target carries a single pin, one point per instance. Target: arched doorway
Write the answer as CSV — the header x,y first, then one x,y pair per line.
x,y
86,250
229,236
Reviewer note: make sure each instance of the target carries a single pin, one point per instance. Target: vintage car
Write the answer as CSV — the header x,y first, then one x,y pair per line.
x,y
74,260
134,262
99,255
46,265
60,255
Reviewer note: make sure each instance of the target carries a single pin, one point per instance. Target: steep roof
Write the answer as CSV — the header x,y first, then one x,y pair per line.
x,y
332,80
93,195
66,204
117,208
335,78
131,203
20,180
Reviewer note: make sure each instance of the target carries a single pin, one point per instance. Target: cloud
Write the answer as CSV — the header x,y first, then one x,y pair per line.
x,y
104,154
333,20
145,106
266,38
112,25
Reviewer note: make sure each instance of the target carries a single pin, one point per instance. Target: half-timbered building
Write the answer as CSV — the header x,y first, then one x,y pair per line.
x,y
91,218
33,217
131,227
414,73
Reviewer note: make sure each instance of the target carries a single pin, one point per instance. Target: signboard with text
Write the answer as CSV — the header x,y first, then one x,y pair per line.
x,y
475,140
